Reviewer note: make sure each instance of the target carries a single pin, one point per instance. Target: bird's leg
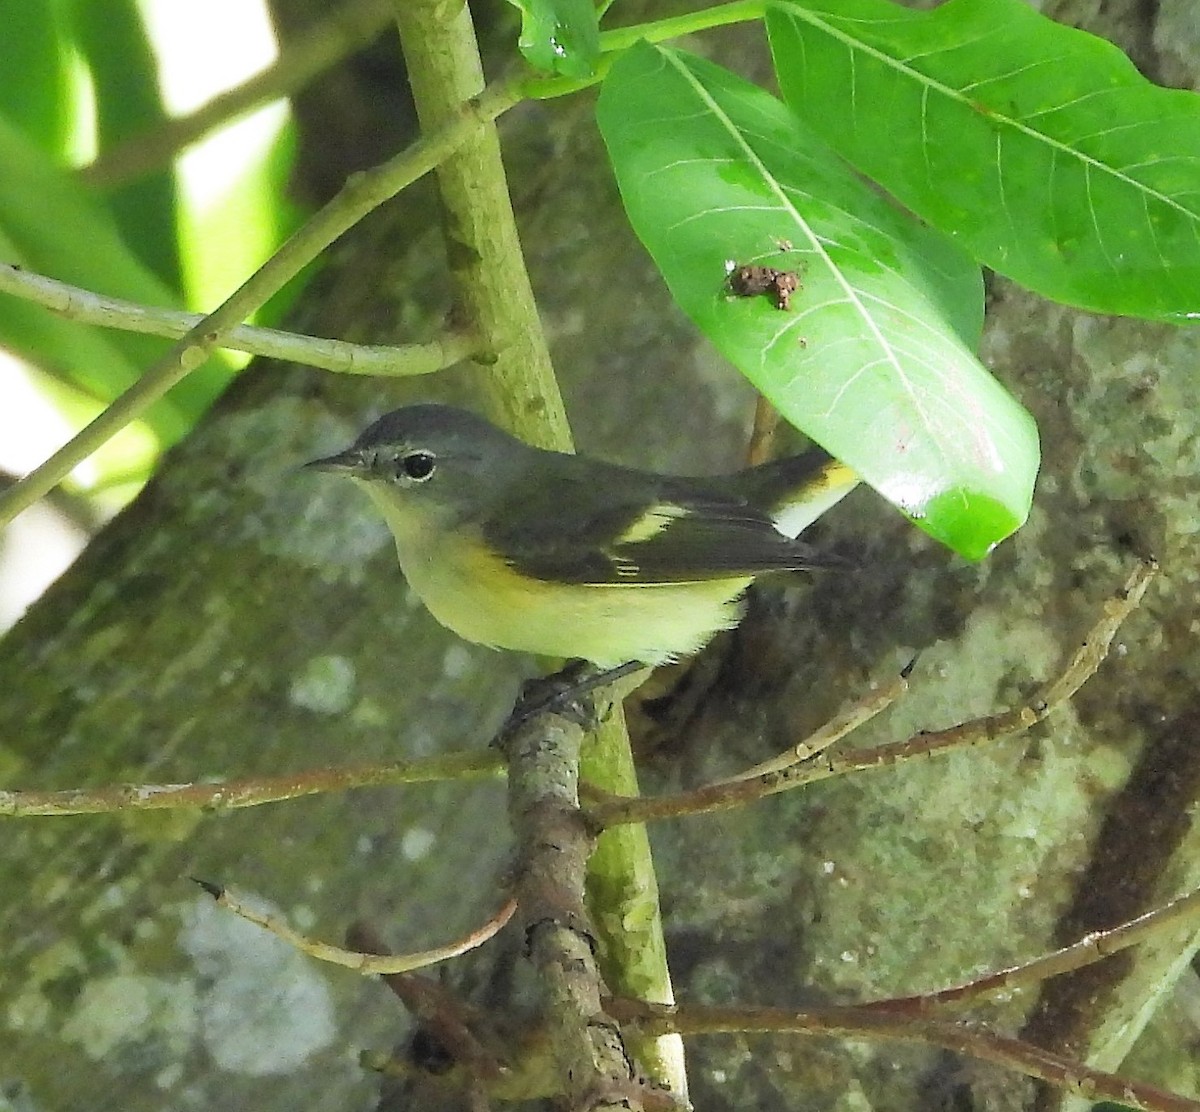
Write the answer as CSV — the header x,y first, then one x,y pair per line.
x,y
566,692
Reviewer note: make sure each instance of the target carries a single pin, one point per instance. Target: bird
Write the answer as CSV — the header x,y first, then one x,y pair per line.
x,y
565,556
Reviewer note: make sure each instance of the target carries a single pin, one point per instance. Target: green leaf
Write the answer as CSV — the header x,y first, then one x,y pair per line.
x,y
253,200
113,41
49,224
560,36
256,202
872,360
1038,147
35,86
71,351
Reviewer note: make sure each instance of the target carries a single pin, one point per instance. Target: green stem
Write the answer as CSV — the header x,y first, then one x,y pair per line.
x,y
483,248
738,11
614,42
341,356
622,900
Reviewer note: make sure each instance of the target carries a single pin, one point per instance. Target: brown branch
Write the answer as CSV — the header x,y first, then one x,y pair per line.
x,y
1091,948
252,791
611,810
856,1022
460,1030
358,960
554,842
482,1054
762,433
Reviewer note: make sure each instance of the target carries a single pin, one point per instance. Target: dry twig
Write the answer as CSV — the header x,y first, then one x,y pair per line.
x,y
229,795
785,774
355,959
1091,948
857,1022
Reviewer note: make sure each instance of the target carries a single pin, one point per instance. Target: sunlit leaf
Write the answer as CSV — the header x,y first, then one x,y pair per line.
x,y
76,353
872,359
260,206
34,83
113,41
253,201
49,224
1039,147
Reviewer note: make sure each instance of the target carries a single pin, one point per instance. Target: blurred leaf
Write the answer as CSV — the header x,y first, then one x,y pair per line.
x,y
1039,147
35,86
50,224
232,233
118,469
872,358
560,36
78,353
286,216
112,38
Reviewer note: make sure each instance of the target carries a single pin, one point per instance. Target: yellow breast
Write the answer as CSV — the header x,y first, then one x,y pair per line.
x,y
483,600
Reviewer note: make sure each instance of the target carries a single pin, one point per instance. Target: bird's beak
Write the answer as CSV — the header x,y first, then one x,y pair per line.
x,y
350,461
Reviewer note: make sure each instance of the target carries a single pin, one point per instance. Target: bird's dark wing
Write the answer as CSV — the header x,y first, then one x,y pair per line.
x,y
642,529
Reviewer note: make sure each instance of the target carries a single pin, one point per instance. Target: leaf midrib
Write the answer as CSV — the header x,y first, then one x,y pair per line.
x,y
752,156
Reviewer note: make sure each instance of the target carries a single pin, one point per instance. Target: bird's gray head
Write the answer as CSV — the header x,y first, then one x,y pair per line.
x,y
441,458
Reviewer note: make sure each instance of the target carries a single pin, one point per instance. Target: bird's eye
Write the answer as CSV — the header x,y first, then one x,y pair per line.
x,y
417,466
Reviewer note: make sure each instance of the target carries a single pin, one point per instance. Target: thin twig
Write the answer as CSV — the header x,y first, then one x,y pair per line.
x,y
357,960
312,351
462,1030
856,1022
77,510
611,810
1091,948
857,714
361,194
762,433
231,795
349,27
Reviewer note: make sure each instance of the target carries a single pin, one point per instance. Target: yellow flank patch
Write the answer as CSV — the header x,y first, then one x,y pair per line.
x,y
651,523
484,600
835,475
481,598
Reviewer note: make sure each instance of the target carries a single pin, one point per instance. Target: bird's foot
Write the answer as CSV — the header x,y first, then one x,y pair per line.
x,y
566,692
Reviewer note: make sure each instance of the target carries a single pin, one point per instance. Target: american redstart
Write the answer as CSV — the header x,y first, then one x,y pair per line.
x,y
519,548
